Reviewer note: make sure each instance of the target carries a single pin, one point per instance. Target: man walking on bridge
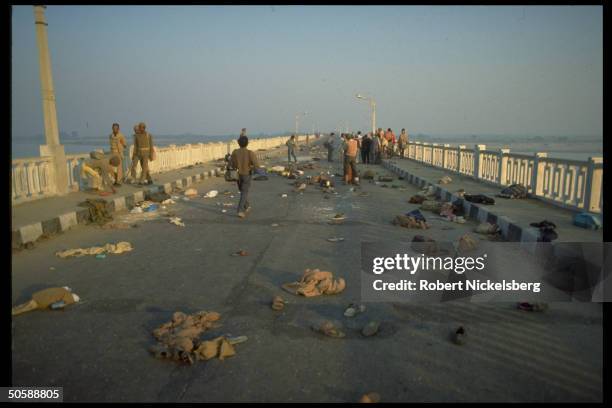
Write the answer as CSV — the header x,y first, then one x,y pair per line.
x,y
245,161
329,144
291,146
143,152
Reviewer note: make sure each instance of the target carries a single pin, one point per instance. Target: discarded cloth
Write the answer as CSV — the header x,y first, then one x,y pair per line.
x,y
466,243
416,199
514,191
424,245
547,230
588,221
191,192
329,329
368,175
118,248
445,180
43,299
177,221
158,197
431,205
487,228
315,282
409,222
211,194
479,199
179,340
417,215
98,212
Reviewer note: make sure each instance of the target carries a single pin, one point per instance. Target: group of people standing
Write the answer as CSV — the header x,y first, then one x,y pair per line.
x,y
372,147
107,170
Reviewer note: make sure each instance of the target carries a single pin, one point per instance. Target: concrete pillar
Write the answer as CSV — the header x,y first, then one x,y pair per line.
x,y
52,147
478,149
537,175
459,158
502,172
594,183
445,155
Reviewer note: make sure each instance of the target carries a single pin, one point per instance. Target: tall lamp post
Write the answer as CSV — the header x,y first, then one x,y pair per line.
x,y
372,107
52,148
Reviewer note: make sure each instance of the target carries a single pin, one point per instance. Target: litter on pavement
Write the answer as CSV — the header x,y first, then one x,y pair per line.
x,y
315,282
329,329
54,298
177,221
118,248
211,194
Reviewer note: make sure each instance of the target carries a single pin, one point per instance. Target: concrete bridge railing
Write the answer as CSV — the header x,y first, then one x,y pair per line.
x,y
572,184
34,178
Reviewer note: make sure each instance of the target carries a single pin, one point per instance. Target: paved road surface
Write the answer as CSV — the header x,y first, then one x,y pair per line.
x,y
97,350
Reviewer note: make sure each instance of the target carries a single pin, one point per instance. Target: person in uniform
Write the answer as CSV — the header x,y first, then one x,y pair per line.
x,y
143,153
98,169
117,146
402,142
291,146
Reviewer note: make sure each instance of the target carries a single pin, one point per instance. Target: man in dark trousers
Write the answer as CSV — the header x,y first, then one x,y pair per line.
x,y
244,160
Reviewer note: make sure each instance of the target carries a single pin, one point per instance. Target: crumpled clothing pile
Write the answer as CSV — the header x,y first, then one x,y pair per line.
x,y
445,180
431,205
466,243
118,248
179,340
416,199
315,283
409,222
97,210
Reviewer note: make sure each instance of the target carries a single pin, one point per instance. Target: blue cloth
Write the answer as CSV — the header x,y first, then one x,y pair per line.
x,y
416,214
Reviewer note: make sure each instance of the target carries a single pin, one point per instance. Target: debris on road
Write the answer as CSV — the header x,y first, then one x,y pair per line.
x,y
370,398
515,191
459,336
158,197
445,180
278,303
424,245
409,222
466,243
242,252
532,307
335,239
191,192
354,309
432,205
416,199
315,282
47,298
118,248
547,230
179,339
487,228
479,199
177,221
586,220
212,194
370,329
97,210
329,329
168,202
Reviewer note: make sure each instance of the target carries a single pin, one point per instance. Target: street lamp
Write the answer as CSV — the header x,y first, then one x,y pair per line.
x,y
297,121
372,107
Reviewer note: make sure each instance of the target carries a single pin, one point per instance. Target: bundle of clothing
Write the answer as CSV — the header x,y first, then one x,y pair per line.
x,y
179,340
514,191
315,282
98,212
413,219
547,230
479,199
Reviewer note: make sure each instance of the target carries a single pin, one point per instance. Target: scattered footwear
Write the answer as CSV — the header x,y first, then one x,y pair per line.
x,y
459,336
370,329
335,239
329,329
532,307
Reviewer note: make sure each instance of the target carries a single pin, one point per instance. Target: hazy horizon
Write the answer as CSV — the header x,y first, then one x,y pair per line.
x,y
204,70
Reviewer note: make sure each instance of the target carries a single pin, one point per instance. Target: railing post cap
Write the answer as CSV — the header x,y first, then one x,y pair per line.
x,y
480,147
461,146
541,154
596,160
504,150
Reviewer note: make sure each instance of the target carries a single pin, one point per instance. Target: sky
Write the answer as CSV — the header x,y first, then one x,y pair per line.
x,y
441,70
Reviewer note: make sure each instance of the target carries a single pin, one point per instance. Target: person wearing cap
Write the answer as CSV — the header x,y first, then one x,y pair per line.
x,y
291,146
117,146
143,153
245,161
98,169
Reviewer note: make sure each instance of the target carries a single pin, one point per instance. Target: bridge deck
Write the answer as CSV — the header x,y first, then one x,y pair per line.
x,y
97,350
